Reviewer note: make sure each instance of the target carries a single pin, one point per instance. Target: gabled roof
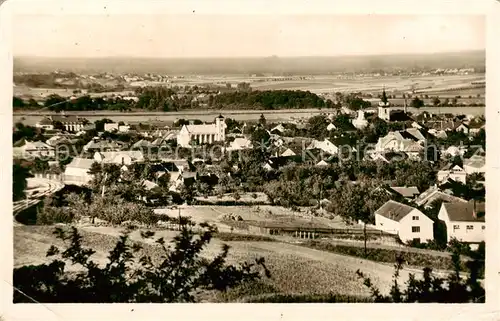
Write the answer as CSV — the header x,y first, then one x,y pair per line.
x,y
82,163
149,185
394,210
133,154
464,211
475,161
415,133
142,144
37,145
279,128
432,194
202,129
410,191
413,148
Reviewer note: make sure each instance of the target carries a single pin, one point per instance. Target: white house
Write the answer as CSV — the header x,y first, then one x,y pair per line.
x,y
455,151
45,123
119,158
322,163
409,141
202,134
76,172
34,149
110,127
475,164
464,221
240,143
289,152
463,128
101,145
331,127
405,221
326,145
438,133
278,129
360,122
455,173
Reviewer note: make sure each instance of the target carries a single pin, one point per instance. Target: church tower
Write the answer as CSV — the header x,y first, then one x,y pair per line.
x,y
384,110
221,128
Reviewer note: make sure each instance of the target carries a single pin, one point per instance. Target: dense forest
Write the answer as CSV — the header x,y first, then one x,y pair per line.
x,y
165,99
277,99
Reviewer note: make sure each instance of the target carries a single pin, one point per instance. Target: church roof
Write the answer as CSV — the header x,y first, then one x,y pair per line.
x,y
202,129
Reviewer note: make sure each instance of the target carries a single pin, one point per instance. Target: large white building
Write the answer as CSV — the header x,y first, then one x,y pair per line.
x,y
405,221
464,221
202,134
77,172
70,123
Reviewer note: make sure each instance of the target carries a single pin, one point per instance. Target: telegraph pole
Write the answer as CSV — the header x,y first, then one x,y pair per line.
x,y
180,225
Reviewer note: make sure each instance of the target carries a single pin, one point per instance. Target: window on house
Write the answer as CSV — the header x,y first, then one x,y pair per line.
x,y
415,218
456,227
483,227
470,227
415,229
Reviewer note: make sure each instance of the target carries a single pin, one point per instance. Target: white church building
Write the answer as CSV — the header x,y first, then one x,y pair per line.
x,y
202,134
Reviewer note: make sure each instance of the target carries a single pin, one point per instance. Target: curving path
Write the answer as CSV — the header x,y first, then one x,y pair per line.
x,y
37,189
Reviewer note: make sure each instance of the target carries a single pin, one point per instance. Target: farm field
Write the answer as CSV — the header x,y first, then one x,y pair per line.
x,y
294,269
265,213
41,94
373,84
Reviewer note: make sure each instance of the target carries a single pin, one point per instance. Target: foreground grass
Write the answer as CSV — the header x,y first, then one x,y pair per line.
x,y
385,255
296,272
259,292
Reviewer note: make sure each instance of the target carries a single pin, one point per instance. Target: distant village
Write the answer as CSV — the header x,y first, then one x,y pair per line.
x,y
174,149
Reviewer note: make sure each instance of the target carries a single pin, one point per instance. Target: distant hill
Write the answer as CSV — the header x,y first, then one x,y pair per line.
x,y
275,65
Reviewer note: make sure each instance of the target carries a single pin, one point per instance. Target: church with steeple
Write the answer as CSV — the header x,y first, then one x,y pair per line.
x,y
385,112
384,107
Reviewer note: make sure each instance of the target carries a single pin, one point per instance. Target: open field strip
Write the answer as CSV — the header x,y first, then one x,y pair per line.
x,y
294,269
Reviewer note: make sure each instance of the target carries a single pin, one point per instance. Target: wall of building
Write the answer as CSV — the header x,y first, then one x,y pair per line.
x,y
76,175
459,230
426,227
387,225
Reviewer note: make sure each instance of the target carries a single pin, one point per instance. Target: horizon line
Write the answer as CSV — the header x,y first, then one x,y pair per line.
x,y
253,57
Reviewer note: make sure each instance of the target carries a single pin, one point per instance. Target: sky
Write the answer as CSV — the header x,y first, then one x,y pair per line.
x,y
202,35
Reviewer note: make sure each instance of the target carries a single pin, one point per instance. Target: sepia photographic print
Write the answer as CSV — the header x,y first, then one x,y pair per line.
x,y
191,157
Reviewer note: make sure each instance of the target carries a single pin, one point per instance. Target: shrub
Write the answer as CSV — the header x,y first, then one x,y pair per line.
x,y
231,237
179,274
384,255
452,289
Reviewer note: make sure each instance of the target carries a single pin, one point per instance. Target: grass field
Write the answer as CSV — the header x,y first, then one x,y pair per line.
x,y
41,94
373,84
267,213
294,269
